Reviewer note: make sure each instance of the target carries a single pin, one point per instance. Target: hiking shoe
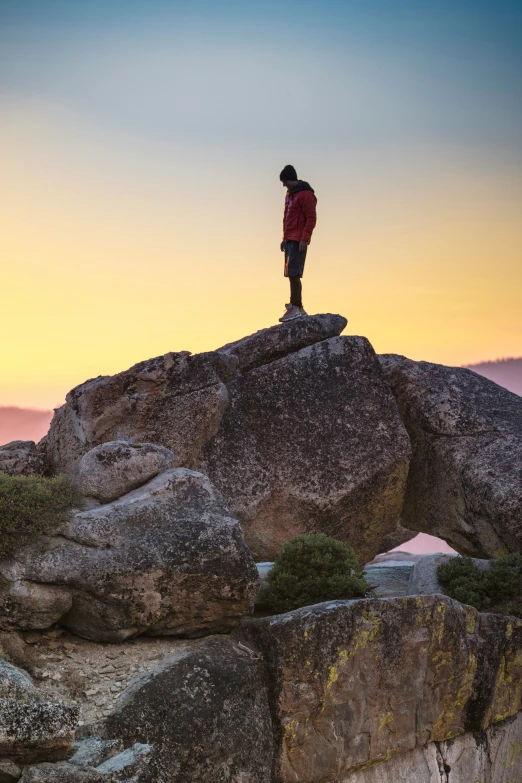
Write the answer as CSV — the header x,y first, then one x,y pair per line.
x,y
287,308
302,311
291,313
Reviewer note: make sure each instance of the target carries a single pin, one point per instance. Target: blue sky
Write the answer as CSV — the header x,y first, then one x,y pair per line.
x,y
343,73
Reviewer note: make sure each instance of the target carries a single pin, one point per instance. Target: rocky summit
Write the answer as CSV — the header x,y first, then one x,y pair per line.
x,y
137,641
295,426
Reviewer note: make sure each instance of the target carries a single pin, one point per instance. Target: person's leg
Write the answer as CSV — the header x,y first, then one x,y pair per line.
x,y
294,266
296,291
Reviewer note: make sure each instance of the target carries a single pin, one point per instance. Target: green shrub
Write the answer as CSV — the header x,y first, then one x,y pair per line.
x,y
496,589
314,568
31,506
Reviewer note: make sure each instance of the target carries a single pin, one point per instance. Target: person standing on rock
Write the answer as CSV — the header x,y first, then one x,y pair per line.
x,y
298,223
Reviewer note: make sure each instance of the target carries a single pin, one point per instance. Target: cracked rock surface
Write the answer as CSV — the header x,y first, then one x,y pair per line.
x,y
489,757
465,479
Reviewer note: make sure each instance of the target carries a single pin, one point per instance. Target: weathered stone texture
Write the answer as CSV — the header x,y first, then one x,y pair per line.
x,y
312,442
115,468
355,682
294,424
494,756
15,685
36,731
21,458
60,773
9,772
389,575
465,480
130,766
167,558
176,400
204,711
267,345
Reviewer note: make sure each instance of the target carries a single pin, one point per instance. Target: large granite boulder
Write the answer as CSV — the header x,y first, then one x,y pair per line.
x,y
312,442
295,425
205,713
177,399
112,469
167,558
16,685
465,480
354,683
30,728
21,458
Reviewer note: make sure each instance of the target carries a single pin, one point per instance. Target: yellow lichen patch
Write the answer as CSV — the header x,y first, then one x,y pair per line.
x,y
471,617
447,724
438,620
442,658
514,753
291,730
385,721
507,699
360,639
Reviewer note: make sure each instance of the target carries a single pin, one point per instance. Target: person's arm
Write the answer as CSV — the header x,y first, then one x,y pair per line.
x,y
308,203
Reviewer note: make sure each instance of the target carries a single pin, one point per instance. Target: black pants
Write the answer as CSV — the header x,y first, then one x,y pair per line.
x,y
296,290
294,269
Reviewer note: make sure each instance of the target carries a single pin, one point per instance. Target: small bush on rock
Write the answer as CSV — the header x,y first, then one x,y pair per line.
x,y
31,506
496,589
313,568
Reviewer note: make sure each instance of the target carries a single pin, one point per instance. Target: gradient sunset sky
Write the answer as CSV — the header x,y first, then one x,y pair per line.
x,y
141,144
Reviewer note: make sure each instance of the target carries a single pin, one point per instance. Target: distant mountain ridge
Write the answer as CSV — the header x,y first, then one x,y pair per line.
x,y
505,372
23,423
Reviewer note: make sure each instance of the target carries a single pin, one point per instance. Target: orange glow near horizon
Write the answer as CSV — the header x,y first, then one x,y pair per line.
x,y
113,252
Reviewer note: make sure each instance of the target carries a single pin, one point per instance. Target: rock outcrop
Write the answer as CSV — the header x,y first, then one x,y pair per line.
x,y
312,443
205,714
353,683
465,478
30,728
295,425
390,575
21,458
115,468
167,558
493,756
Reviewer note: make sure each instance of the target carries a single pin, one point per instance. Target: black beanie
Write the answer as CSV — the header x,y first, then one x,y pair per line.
x,y
289,174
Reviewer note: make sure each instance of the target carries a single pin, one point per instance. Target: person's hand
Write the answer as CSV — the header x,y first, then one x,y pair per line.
x,y
283,246
302,246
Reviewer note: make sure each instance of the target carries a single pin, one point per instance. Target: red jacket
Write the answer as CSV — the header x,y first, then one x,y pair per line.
x,y
300,216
